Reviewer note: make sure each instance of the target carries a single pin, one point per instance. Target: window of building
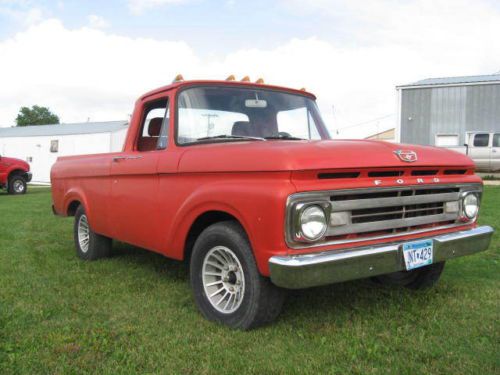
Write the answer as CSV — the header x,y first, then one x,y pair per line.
x,y
54,145
481,140
447,140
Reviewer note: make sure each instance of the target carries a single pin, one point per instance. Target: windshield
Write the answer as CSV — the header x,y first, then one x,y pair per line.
x,y
231,114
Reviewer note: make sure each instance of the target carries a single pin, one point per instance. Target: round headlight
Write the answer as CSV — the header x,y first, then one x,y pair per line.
x,y
470,206
313,223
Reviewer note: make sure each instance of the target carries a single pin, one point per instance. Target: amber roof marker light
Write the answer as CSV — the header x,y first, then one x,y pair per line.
x,y
178,78
260,81
231,78
245,79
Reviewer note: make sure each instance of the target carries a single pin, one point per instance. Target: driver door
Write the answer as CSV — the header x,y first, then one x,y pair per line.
x,y
135,181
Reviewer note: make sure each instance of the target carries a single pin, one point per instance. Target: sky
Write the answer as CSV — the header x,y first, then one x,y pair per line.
x,y
90,60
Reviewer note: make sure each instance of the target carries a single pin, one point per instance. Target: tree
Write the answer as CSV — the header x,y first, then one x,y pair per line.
x,y
36,115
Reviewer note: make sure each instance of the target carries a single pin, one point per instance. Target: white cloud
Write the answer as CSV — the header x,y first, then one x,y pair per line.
x,y
139,6
92,73
97,22
22,14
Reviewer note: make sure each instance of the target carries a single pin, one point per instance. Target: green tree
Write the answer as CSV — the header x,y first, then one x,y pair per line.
x,y
36,115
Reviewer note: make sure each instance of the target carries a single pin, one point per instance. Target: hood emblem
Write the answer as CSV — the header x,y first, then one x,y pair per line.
x,y
406,155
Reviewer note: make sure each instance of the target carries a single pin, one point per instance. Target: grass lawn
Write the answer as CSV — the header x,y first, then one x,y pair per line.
x,y
134,313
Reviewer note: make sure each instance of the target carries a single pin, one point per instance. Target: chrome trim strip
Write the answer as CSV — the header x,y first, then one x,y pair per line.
x,y
307,270
390,224
393,201
324,195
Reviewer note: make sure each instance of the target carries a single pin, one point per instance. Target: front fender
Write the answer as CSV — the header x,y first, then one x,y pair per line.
x,y
257,203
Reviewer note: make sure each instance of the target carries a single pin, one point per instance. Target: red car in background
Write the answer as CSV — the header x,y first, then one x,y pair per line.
x,y
14,175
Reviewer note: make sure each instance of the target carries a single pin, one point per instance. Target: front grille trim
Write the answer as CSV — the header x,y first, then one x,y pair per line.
x,y
413,196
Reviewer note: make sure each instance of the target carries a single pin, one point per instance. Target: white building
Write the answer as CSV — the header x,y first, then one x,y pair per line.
x,y
41,145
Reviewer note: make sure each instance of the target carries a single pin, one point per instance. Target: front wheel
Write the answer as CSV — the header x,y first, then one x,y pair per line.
x,y
17,185
226,283
89,245
421,278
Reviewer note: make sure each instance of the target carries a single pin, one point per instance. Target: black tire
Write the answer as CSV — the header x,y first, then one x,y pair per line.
x,y
17,185
98,246
422,278
261,302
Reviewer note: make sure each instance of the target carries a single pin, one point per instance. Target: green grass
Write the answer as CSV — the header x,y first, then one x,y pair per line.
x,y
134,313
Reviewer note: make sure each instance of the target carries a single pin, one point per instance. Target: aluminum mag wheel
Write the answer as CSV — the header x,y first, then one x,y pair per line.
x,y
18,187
223,279
83,233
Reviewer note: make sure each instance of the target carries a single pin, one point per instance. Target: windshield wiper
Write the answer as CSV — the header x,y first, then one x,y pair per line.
x,y
285,137
227,136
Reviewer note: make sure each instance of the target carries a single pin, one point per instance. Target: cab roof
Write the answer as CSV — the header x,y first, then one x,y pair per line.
x,y
179,84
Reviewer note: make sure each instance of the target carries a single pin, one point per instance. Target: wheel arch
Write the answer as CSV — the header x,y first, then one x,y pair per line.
x,y
72,201
196,220
202,222
15,171
72,207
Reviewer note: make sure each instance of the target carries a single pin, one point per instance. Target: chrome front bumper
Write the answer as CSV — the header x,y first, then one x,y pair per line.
x,y
304,271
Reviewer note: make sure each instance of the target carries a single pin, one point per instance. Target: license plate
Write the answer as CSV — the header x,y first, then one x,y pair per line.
x,y
418,254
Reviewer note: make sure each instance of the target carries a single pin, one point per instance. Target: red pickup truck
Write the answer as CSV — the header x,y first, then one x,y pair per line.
x,y
14,175
242,180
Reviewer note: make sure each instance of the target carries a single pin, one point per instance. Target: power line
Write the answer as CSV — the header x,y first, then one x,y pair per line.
x,y
366,122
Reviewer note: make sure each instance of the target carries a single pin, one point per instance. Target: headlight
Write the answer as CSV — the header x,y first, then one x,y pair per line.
x,y
313,223
470,206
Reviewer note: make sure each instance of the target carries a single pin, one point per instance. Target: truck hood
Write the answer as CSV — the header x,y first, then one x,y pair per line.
x,y
283,155
17,162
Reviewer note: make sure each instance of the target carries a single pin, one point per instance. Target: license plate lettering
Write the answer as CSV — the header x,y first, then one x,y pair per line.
x,y
418,254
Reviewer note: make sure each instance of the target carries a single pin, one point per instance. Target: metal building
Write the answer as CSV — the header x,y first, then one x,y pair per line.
x,y
41,145
441,111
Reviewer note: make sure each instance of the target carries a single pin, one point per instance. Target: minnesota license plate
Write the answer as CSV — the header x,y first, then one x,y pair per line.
x,y
418,254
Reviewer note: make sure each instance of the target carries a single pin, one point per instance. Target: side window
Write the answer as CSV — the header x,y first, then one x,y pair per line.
x,y
496,140
155,126
298,123
481,140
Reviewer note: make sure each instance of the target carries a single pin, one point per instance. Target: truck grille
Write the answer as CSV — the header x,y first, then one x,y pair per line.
x,y
379,212
390,211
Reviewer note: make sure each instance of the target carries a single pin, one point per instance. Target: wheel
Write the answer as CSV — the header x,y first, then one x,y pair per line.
x,y
226,283
421,278
17,184
89,245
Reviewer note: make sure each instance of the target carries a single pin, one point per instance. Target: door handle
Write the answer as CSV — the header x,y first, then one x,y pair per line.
x,y
118,158
493,150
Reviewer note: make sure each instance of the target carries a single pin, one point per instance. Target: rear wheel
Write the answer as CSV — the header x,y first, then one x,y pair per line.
x,y
421,278
226,283
17,184
89,245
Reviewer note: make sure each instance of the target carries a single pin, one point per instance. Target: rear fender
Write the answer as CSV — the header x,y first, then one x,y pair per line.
x,y
77,194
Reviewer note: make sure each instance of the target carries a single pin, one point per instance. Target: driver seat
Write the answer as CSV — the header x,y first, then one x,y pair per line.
x,y
241,128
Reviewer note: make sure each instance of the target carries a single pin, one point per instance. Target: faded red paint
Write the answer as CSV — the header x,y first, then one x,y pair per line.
x,y
153,203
